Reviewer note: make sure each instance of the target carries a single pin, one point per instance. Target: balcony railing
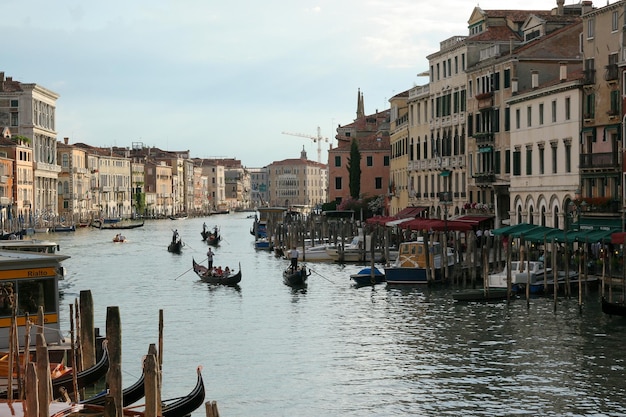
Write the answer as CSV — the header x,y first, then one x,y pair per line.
x,y
599,160
611,73
484,178
484,138
589,76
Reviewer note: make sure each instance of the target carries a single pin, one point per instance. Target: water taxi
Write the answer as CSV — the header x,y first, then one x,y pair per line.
x,y
32,279
30,245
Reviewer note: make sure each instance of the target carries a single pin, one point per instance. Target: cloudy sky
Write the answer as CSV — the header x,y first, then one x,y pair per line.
x,y
225,78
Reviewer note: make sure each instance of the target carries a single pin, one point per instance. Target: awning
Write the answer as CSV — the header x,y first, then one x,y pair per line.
x,y
591,236
599,223
617,238
379,219
474,220
506,231
397,222
410,212
485,149
541,234
436,225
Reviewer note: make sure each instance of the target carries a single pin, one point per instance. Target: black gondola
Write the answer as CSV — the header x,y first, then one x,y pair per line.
x,y
176,247
201,271
84,378
130,395
188,404
115,226
613,308
296,278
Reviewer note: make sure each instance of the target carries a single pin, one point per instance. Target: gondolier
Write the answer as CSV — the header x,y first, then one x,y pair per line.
x,y
293,255
209,256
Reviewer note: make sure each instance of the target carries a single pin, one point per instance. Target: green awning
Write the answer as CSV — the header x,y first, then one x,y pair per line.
x,y
541,233
485,149
508,230
591,236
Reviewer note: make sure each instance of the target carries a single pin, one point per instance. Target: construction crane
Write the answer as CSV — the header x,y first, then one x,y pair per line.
x,y
319,139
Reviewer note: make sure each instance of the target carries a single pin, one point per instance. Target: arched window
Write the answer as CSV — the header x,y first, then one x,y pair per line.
x,y
555,217
530,215
519,214
543,215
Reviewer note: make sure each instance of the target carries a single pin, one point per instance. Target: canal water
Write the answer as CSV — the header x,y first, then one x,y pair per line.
x,y
337,350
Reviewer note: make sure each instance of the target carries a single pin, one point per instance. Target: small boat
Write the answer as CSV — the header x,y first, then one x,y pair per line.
x,y
119,238
176,247
263,244
188,404
181,216
368,276
410,266
130,395
64,228
613,308
296,278
203,272
482,294
85,378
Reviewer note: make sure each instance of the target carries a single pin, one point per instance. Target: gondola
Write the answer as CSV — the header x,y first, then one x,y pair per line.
x,y
214,239
296,278
201,271
84,378
613,308
130,395
187,404
176,247
115,226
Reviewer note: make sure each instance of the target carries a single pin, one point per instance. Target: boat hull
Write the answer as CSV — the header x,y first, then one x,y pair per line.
x,y
297,278
403,275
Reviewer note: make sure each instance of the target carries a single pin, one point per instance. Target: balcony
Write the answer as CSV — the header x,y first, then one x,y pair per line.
x,y
484,100
484,178
589,76
599,160
611,72
484,139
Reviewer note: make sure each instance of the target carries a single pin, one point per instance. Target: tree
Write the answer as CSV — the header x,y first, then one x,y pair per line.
x,y
354,170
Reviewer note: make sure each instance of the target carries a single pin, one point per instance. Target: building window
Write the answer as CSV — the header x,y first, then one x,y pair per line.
x,y
541,161
14,118
507,119
568,108
370,161
517,162
517,118
379,183
338,183
14,103
541,114
589,111
529,161
553,111
337,161
507,161
568,157
591,24
614,21
386,160
554,158
529,116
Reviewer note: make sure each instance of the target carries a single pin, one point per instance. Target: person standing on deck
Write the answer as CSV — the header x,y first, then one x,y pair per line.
x,y
293,255
209,256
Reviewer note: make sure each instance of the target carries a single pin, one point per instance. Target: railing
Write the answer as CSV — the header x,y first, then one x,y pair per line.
x,y
611,72
484,177
599,160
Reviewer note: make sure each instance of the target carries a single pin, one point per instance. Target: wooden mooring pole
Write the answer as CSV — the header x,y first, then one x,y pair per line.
x,y
114,347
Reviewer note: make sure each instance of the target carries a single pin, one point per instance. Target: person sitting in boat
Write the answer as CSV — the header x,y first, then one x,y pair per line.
x,y
219,272
227,271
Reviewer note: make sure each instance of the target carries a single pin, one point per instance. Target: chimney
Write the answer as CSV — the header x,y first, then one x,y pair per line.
x,y
534,79
587,6
66,140
562,71
559,7
514,85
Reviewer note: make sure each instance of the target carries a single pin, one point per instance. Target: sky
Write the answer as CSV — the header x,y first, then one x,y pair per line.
x,y
225,79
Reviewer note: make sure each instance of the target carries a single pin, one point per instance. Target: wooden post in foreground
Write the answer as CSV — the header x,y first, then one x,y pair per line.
x,y
211,409
87,333
114,346
150,371
31,403
44,381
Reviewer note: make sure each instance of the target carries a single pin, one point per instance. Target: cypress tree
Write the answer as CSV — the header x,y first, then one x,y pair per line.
x,y
354,170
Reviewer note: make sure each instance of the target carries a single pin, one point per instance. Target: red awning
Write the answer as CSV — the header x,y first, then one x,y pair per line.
x,y
379,220
474,220
409,212
617,238
436,225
